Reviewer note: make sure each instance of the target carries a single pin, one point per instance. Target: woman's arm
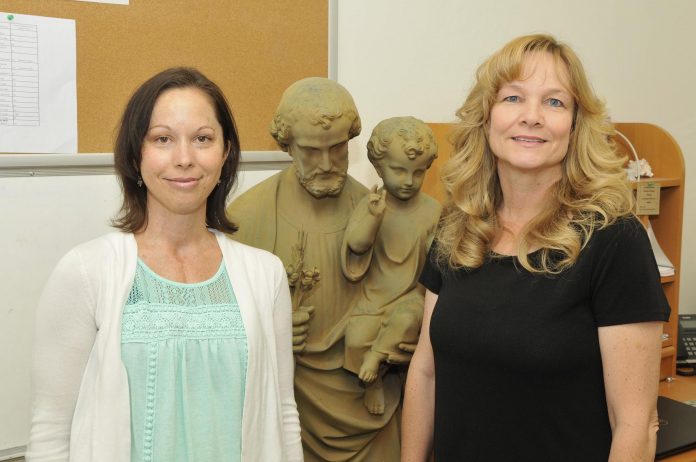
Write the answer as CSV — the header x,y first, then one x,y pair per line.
x,y
282,323
631,363
64,336
419,403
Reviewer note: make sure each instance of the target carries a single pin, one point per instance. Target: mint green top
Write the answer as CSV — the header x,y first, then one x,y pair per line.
x,y
185,352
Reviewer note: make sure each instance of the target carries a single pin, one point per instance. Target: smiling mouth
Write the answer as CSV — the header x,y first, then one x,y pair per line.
x,y
528,140
182,181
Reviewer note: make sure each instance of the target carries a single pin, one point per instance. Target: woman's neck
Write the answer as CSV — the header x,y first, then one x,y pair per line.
x,y
524,196
179,248
175,232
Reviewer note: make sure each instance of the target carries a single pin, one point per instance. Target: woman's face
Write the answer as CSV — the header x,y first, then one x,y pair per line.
x,y
182,154
531,120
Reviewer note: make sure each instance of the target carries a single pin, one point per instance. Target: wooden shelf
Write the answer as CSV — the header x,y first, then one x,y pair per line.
x,y
668,351
664,182
667,279
665,157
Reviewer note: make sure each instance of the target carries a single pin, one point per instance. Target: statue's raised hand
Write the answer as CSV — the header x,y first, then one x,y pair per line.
x,y
377,202
300,327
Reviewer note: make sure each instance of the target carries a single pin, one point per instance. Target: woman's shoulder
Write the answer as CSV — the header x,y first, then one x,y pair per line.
x,y
625,234
230,245
255,265
100,247
627,227
89,259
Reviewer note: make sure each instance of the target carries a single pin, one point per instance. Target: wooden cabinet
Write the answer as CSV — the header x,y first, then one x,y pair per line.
x,y
432,184
665,157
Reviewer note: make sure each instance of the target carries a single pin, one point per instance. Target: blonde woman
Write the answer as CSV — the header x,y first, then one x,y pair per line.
x,y
543,314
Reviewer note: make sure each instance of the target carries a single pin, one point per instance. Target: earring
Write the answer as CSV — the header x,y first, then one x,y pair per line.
x,y
219,182
140,181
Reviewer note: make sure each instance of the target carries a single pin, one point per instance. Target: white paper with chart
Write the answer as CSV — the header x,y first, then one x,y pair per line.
x,y
38,95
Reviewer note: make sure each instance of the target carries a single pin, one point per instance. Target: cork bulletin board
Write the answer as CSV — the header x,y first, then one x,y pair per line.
x,y
253,49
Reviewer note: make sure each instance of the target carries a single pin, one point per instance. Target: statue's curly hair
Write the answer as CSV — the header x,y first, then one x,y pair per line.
x,y
317,99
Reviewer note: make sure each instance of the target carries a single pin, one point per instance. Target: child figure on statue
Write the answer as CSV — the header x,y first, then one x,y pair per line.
x,y
385,247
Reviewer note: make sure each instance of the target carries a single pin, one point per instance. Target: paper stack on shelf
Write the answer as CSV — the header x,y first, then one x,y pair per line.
x,y
663,264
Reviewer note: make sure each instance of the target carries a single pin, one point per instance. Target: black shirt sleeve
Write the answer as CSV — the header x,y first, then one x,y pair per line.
x,y
431,276
625,284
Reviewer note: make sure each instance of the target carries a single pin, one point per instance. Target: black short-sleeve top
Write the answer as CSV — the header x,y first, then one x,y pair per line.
x,y
517,360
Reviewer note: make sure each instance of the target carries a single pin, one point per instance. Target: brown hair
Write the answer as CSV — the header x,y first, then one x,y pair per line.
x,y
132,130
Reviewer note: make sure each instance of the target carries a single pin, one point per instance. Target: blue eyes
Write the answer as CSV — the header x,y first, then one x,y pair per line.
x,y
552,102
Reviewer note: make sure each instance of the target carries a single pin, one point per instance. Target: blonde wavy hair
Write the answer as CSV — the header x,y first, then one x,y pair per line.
x,y
592,193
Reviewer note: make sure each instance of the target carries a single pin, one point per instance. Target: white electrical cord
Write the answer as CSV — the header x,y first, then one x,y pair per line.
x,y
630,145
637,167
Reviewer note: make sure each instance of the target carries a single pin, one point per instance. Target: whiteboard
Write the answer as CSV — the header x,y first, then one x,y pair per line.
x,y
41,218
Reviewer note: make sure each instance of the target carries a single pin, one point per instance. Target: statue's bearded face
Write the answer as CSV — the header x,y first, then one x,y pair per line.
x,y
320,156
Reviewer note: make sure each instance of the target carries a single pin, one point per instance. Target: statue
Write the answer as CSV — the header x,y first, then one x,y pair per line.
x,y
385,246
300,214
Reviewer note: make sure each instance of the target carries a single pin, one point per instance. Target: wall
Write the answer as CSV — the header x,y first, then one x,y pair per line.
x,y
418,58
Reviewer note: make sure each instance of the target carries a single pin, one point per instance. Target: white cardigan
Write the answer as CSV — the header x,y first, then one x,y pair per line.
x,y
81,405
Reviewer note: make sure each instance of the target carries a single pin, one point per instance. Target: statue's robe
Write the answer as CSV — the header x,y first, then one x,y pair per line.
x,y
388,273
335,423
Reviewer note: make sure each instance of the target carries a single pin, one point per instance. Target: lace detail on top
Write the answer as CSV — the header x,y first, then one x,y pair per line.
x,y
185,352
158,309
151,396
